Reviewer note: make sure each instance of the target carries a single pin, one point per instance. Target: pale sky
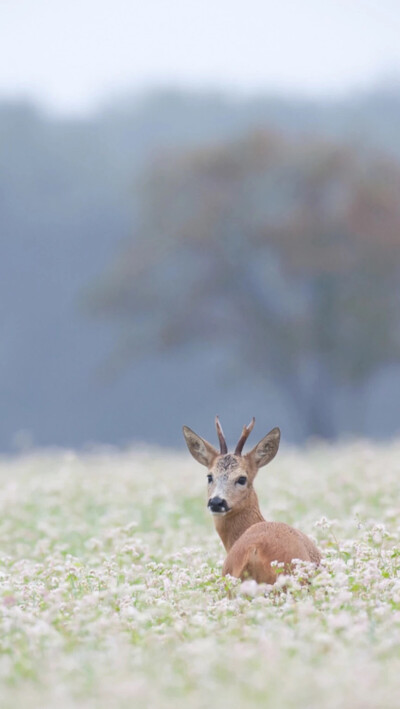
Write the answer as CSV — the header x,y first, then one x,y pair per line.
x,y
70,55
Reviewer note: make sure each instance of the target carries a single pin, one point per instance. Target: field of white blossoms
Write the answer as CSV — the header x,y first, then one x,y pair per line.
x,y
111,594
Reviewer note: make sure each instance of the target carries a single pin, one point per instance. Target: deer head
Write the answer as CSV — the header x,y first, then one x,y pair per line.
x,y
230,475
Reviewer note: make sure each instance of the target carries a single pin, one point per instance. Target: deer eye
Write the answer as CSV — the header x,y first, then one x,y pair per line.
x,y
242,480
210,478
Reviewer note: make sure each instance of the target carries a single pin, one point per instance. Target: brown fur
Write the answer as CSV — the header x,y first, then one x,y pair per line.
x,y
251,555
251,542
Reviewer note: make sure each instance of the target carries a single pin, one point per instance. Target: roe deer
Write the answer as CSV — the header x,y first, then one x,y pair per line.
x,y
251,542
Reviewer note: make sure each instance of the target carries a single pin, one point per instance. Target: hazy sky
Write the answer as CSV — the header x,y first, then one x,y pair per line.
x,y
71,54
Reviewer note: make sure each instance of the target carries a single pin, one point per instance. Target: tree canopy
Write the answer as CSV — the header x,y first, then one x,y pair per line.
x,y
287,251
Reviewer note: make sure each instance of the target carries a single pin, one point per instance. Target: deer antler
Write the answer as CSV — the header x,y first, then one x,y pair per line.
x,y
222,441
243,438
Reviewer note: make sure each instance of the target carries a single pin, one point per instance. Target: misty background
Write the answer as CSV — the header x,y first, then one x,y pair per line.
x,y
200,215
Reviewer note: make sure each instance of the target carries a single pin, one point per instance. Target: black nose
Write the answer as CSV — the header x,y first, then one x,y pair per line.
x,y
217,504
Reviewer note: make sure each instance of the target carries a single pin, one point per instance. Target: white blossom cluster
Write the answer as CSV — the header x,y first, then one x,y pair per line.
x,y
111,592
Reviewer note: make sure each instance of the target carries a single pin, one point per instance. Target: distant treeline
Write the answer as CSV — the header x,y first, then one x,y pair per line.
x,y
243,255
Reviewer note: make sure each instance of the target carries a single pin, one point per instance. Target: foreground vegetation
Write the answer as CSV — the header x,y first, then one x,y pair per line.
x,y
111,595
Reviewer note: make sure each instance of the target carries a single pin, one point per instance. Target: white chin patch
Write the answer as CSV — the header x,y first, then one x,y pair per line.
x,y
218,514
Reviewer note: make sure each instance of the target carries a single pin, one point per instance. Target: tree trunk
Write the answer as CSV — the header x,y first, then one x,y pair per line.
x,y
319,412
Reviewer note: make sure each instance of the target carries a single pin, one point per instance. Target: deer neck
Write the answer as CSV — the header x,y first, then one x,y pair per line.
x,y
231,526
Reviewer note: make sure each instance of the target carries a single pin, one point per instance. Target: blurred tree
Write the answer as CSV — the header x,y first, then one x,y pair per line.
x,y
286,252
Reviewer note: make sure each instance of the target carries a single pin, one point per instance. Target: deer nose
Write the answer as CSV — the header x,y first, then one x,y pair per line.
x,y
217,504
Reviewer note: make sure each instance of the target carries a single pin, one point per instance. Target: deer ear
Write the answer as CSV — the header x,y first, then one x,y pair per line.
x,y
266,449
201,450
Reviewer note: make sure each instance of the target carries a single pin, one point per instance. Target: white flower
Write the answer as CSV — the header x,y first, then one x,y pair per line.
x,y
248,588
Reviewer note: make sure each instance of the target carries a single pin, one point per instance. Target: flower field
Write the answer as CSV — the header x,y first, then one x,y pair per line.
x,y
111,594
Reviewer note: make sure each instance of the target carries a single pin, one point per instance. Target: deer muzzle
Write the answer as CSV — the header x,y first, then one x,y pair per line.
x,y
217,506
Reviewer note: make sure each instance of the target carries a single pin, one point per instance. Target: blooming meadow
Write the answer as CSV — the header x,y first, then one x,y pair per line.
x,y
111,593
